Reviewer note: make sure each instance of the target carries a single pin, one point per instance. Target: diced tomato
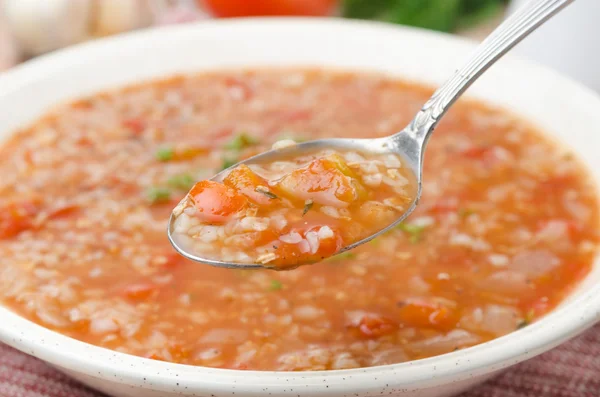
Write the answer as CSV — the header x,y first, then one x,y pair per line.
x,y
292,254
427,313
17,217
374,326
140,291
245,181
328,246
136,126
85,142
216,202
64,211
323,181
244,8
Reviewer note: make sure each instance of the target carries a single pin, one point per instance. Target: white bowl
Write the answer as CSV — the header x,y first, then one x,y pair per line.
x,y
556,104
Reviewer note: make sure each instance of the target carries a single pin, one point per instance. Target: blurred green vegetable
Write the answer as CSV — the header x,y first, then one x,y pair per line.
x,y
442,15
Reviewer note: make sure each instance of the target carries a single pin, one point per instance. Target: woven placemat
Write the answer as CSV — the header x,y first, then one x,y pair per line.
x,y
570,370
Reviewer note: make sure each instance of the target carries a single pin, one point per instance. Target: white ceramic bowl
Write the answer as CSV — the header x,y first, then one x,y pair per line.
x,y
559,106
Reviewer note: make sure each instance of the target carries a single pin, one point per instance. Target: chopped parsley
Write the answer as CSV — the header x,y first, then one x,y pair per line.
x,y
181,181
414,232
228,162
522,323
165,154
275,285
156,195
465,212
266,192
307,206
527,320
241,141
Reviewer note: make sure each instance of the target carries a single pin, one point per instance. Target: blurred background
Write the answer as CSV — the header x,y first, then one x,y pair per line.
x,y
29,28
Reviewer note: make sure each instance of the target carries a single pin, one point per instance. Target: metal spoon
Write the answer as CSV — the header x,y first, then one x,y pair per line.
x,y
410,143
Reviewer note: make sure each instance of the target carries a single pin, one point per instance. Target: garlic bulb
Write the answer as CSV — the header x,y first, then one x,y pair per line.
x,y
168,12
9,54
116,16
41,26
45,25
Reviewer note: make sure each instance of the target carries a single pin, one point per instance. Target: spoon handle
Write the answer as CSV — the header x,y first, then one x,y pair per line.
x,y
515,28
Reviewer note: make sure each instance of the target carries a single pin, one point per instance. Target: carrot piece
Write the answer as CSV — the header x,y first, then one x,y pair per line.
x,y
424,313
135,126
291,254
374,326
247,182
324,181
216,202
16,218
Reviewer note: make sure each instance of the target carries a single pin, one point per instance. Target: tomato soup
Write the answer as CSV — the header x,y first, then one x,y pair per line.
x,y
506,227
294,209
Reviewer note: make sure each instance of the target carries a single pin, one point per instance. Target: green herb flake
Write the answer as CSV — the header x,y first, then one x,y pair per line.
x,y
522,324
527,320
307,206
465,212
241,141
156,195
228,162
165,154
181,182
266,192
275,285
414,232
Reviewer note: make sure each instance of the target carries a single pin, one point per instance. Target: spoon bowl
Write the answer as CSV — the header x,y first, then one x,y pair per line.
x,y
409,143
396,144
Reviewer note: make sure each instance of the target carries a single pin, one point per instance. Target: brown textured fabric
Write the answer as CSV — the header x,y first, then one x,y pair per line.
x,y
570,370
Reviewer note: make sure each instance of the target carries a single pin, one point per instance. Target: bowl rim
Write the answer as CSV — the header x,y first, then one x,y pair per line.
x,y
62,351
